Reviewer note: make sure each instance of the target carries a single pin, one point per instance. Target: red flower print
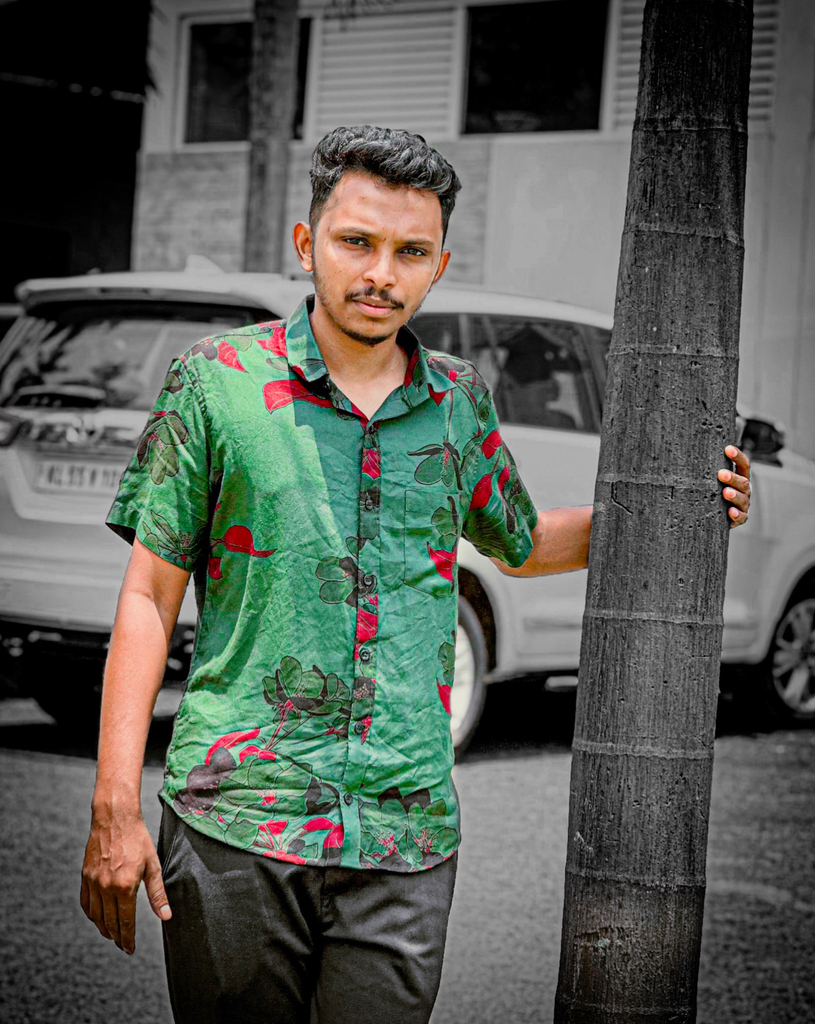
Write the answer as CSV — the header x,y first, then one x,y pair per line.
x,y
444,695
291,858
437,396
370,463
334,838
491,443
317,825
214,569
367,623
366,725
503,477
239,539
270,798
273,827
259,752
228,355
279,393
276,342
482,493
444,562
230,740
452,374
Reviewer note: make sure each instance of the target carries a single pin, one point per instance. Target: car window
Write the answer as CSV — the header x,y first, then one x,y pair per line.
x,y
438,331
539,371
105,354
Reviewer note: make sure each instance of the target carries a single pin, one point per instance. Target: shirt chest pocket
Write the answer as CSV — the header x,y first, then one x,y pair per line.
x,y
431,535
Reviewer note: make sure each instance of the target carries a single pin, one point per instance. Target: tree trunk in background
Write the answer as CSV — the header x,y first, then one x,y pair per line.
x,y
649,664
272,104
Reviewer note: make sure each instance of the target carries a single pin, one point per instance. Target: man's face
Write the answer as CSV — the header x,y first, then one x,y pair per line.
x,y
374,252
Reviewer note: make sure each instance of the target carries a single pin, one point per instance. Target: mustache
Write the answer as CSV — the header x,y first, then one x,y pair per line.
x,y
382,295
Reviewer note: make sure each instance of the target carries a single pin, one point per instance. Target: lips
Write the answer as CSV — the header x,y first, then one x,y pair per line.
x,y
373,309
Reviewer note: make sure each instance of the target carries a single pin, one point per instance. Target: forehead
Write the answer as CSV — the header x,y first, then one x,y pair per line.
x,y
362,201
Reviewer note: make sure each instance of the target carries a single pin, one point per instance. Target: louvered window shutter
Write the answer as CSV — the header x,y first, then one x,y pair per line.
x,y
393,70
629,39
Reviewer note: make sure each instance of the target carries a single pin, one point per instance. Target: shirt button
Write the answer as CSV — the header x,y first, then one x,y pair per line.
x,y
365,655
348,799
359,729
369,504
367,579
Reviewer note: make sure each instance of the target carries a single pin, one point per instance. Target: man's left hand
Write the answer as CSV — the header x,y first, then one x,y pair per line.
x,y
737,491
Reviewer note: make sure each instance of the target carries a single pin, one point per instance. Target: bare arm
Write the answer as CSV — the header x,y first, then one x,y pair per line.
x,y
120,853
561,538
561,541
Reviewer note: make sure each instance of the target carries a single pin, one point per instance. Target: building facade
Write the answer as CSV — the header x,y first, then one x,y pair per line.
x,y
533,103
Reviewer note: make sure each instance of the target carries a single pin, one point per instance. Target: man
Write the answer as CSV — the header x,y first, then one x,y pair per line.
x,y
315,476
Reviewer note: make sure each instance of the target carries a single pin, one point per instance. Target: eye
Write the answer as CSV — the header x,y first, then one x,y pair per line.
x,y
355,240
412,250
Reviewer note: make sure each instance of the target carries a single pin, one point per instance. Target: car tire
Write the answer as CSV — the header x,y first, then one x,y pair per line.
x,y
469,690
788,672
70,691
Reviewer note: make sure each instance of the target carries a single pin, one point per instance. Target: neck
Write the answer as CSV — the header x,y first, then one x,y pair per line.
x,y
351,360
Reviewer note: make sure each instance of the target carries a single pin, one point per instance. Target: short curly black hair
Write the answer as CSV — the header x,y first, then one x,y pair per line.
x,y
396,157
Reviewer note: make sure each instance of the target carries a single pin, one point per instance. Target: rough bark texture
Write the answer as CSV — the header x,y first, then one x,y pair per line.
x,y
272,103
649,665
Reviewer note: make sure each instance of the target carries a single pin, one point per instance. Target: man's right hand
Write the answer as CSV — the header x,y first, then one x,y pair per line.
x,y
120,855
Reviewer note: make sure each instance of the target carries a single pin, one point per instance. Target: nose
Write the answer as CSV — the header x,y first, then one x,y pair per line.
x,y
381,270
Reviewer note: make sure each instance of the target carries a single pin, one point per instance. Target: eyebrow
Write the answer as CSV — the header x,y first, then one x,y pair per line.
x,y
423,242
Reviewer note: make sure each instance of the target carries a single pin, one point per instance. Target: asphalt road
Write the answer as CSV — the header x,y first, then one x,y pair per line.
x,y
503,943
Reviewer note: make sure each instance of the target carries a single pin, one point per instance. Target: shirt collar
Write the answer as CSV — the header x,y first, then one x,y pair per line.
x,y
422,381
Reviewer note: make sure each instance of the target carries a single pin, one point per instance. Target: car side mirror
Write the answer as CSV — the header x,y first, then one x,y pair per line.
x,y
762,440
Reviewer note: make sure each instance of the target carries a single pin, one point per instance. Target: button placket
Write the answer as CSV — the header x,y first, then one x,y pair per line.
x,y
367,623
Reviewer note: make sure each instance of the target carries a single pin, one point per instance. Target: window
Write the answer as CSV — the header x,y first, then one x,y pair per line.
x,y
218,81
538,371
535,67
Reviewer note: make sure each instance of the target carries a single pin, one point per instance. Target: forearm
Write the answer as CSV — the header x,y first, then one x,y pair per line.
x,y
561,543
133,675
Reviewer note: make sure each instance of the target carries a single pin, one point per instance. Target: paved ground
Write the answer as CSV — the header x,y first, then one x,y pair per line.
x,y
501,965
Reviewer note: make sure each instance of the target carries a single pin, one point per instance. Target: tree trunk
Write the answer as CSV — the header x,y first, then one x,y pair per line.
x,y
649,663
272,104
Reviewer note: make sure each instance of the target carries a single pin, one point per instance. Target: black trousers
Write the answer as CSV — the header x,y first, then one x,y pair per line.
x,y
256,940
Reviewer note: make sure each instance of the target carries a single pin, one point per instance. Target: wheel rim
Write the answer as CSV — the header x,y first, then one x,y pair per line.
x,y
461,695
793,663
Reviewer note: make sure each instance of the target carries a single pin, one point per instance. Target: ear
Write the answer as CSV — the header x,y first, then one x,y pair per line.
x,y
443,261
303,245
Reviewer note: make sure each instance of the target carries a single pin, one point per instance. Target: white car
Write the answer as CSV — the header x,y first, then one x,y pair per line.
x,y
81,368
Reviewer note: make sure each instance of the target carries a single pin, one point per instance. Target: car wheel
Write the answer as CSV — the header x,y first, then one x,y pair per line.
x,y
70,691
789,673
468,692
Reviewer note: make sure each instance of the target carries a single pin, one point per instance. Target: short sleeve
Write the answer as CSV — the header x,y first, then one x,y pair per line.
x,y
501,515
163,496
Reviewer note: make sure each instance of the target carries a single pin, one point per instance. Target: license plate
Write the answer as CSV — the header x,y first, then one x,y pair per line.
x,y
77,477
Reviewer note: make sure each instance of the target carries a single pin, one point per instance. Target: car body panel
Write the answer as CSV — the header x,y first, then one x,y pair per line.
x,y
59,565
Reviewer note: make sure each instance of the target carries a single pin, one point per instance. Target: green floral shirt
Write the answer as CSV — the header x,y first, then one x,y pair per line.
x,y
315,726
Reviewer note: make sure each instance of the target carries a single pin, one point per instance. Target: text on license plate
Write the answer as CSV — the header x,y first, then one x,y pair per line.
x,y
81,477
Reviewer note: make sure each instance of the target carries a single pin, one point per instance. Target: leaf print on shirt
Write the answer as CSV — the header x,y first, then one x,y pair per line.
x,y
164,432
276,341
167,542
279,393
296,692
447,659
342,580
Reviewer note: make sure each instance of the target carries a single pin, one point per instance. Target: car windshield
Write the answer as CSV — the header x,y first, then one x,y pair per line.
x,y
105,354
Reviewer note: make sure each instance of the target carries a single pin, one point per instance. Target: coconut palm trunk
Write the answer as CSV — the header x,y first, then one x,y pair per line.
x,y
272,105
649,664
